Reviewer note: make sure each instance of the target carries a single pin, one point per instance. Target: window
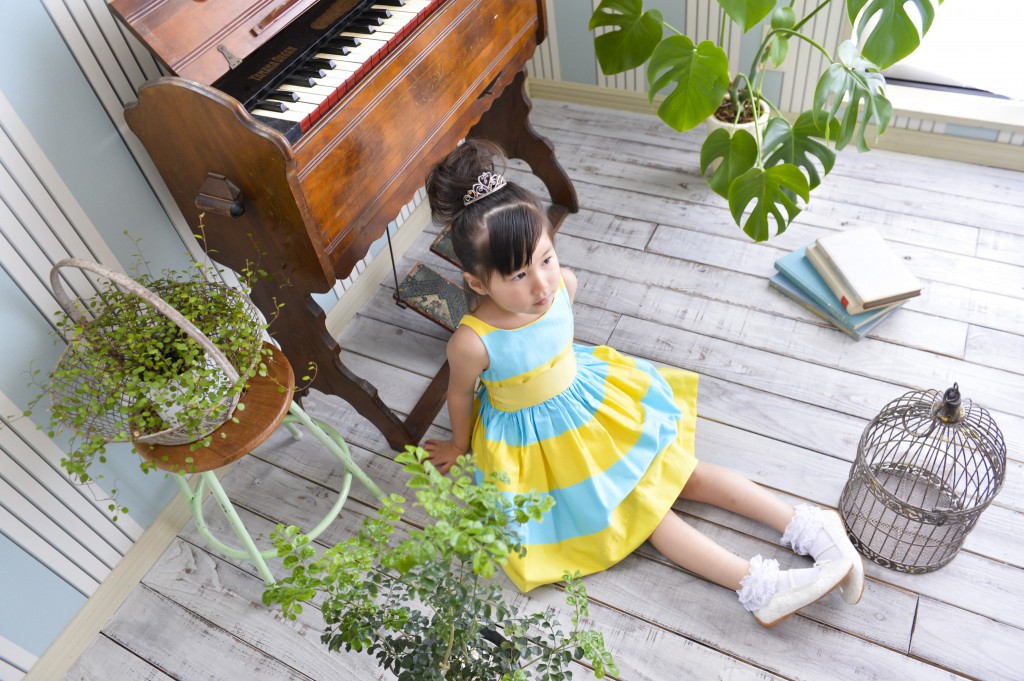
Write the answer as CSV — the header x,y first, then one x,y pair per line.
x,y
973,45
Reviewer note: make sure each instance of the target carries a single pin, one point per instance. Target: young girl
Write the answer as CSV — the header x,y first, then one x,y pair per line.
x,y
608,436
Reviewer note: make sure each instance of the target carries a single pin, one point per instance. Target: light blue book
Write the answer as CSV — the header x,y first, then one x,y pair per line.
x,y
798,270
787,288
790,290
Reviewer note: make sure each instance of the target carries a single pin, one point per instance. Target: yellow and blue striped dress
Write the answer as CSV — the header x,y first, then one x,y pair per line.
x,y
608,436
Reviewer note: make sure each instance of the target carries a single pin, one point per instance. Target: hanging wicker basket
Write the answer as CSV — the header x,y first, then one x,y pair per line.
x,y
92,390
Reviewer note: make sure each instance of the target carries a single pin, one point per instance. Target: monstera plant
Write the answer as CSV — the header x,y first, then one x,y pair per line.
x,y
763,176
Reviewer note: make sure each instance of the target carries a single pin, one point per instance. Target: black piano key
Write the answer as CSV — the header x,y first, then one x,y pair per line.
x,y
284,96
305,72
292,131
361,27
271,105
382,13
371,19
342,42
326,64
300,81
391,3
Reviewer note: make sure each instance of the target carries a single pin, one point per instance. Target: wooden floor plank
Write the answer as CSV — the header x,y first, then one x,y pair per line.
x,y
230,598
104,660
185,646
948,177
968,644
655,170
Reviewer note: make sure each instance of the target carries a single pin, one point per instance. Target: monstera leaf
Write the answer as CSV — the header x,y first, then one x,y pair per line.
x,y
859,82
767,188
798,145
895,35
778,50
747,13
637,34
700,74
736,153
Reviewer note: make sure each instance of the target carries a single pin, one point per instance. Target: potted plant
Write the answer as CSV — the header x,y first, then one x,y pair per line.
x,y
424,605
159,359
764,174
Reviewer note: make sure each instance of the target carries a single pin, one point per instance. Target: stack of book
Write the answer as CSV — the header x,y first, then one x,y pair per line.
x,y
850,279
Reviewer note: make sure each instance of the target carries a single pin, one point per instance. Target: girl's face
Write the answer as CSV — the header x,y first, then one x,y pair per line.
x,y
528,291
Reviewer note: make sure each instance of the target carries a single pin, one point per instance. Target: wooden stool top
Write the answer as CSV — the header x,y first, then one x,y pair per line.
x,y
266,400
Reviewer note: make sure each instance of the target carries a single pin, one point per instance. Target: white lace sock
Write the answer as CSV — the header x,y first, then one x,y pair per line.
x,y
805,535
765,579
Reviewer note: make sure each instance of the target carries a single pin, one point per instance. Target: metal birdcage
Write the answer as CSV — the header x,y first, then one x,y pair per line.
x,y
926,467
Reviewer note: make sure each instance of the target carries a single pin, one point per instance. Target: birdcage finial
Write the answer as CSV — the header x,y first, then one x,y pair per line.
x,y
950,410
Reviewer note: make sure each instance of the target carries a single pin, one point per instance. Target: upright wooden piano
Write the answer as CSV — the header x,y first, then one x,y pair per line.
x,y
300,128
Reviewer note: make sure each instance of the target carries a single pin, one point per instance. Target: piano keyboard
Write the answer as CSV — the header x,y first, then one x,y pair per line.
x,y
315,85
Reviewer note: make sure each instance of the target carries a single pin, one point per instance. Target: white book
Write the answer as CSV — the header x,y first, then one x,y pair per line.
x,y
870,275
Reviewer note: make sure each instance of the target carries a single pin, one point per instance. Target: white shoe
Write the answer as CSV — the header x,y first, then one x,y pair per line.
x,y
785,603
852,587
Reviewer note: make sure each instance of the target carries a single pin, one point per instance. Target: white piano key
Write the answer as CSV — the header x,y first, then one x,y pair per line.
x,y
331,80
315,90
409,6
303,107
396,22
307,97
362,52
293,116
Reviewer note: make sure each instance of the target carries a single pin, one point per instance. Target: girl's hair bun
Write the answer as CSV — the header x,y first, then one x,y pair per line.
x,y
449,181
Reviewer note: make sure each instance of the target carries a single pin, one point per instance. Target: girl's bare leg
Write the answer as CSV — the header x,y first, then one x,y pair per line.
x,y
693,551
728,489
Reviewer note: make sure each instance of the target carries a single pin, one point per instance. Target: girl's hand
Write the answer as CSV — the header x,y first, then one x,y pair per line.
x,y
442,453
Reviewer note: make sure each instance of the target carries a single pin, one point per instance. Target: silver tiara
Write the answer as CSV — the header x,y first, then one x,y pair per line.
x,y
487,183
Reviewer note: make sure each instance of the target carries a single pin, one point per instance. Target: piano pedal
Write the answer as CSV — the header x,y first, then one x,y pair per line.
x,y
437,298
443,247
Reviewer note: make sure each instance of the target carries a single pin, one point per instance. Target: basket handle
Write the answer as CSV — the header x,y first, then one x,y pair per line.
x,y
146,295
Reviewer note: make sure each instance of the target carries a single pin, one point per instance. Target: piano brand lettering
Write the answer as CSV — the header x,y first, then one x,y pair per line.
x,y
274,62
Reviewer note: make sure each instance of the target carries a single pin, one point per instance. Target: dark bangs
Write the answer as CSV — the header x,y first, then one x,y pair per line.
x,y
513,231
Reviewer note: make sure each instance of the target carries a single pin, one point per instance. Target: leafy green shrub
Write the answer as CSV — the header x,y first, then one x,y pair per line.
x,y
423,606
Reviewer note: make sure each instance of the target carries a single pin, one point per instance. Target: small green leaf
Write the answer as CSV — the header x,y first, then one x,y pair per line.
x,y
895,33
736,154
747,13
778,50
695,79
799,146
766,188
637,34
852,82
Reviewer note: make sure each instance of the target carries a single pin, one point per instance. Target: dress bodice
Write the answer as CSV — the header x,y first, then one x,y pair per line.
x,y
531,364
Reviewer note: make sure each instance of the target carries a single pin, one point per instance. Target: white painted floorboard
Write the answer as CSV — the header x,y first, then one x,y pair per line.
x,y
664,274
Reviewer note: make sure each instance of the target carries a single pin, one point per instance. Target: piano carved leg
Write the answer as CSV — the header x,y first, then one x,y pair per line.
x,y
507,123
300,329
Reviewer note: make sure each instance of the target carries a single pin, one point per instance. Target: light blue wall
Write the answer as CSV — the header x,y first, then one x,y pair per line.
x,y
44,84
41,80
35,612
79,139
576,43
